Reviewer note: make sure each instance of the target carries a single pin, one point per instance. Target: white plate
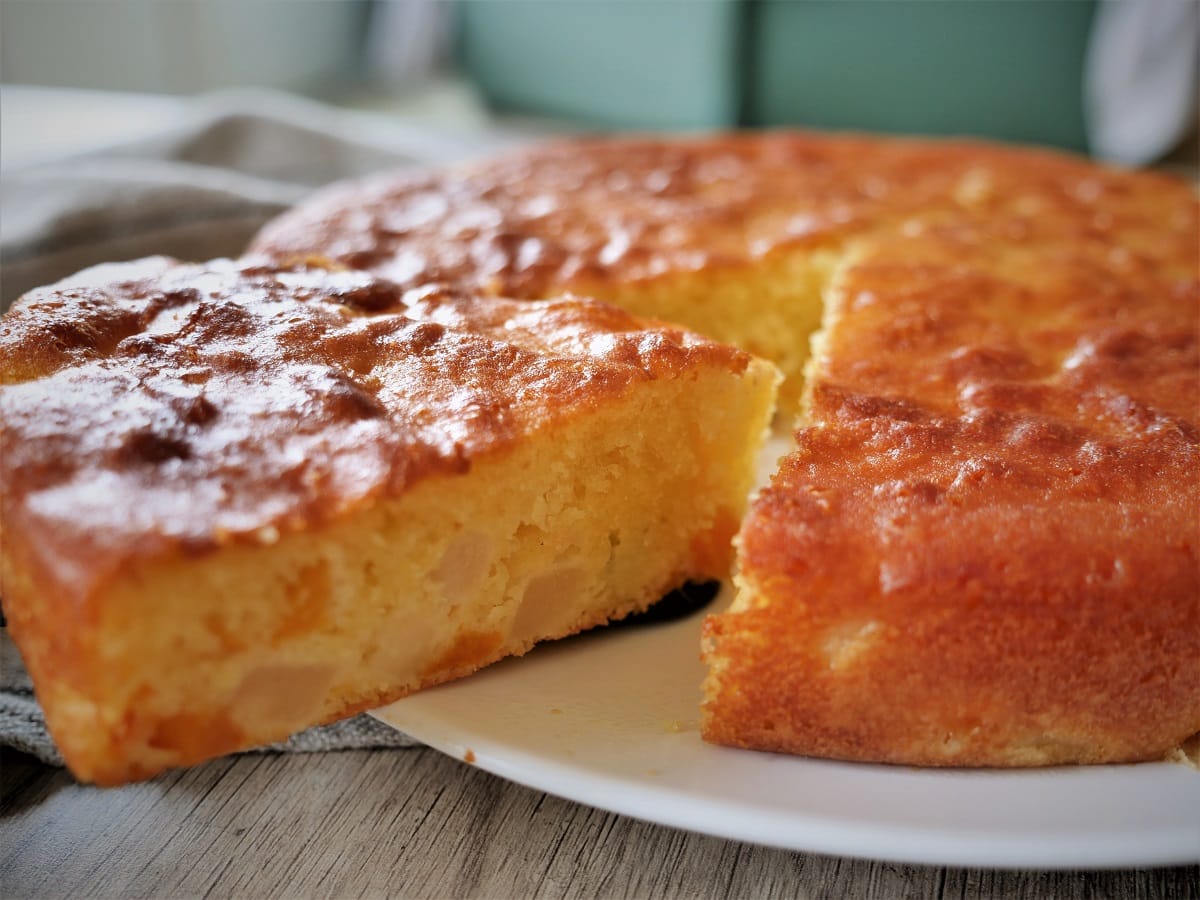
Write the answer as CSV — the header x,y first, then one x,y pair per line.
x,y
610,719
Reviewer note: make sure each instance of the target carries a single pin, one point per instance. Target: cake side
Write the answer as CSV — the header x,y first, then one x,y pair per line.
x,y
959,609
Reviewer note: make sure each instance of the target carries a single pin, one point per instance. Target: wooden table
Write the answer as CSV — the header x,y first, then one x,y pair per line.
x,y
414,823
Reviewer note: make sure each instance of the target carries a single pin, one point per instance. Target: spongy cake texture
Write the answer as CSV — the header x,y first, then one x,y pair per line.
x,y
983,551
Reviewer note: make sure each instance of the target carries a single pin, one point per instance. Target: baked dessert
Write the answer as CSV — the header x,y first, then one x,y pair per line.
x,y
984,548
240,500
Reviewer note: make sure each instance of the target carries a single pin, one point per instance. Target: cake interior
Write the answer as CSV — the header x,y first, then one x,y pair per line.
x,y
457,572
773,310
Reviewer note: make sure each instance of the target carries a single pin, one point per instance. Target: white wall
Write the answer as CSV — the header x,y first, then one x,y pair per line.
x,y
181,46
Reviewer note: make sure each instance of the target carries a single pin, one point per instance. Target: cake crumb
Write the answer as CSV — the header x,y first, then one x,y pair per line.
x,y
1188,753
469,756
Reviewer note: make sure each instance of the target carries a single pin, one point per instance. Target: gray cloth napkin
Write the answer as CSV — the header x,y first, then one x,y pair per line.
x,y
196,192
201,190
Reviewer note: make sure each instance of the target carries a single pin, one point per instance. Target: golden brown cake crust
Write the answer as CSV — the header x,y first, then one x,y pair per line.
x,y
241,499
579,214
984,549
156,407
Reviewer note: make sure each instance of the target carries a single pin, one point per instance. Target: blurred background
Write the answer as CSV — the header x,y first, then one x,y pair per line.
x,y
179,127
1117,77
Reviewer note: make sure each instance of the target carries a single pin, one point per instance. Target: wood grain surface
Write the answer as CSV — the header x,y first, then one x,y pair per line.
x,y
414,823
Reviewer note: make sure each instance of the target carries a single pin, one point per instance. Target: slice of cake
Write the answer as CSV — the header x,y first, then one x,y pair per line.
x,y
239,501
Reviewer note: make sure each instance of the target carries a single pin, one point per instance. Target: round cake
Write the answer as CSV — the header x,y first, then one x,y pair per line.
x,y
983,550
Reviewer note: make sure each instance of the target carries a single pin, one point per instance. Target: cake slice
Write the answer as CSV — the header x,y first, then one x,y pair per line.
x,y
241,500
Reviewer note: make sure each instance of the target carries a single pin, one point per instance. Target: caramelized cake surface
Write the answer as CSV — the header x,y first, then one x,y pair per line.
x,y
733,236
983,551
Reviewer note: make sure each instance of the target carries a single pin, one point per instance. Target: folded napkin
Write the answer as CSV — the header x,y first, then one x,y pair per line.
x,y
202,189
197,191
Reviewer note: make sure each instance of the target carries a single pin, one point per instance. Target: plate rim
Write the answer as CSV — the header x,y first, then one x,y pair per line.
x,y
1153,834
983,850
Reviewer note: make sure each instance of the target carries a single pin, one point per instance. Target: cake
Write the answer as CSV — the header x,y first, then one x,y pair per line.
x,y
240,499
983,550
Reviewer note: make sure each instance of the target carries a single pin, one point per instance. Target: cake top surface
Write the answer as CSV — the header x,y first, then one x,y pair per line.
x,y
1040,303
580,214
155,404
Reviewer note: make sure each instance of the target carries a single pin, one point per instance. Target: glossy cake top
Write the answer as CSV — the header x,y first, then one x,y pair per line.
x,y
156,404
581,213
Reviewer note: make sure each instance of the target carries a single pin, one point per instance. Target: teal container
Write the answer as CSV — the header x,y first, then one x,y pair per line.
x,y
609,63
1007,69
1010,70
